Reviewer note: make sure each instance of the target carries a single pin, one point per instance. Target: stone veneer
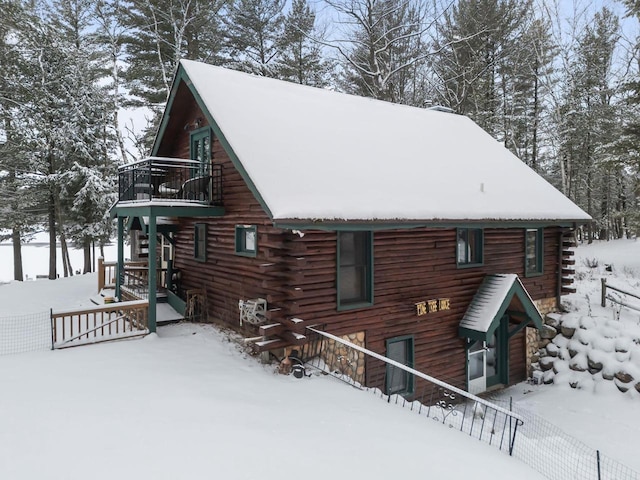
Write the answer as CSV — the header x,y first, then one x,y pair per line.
x,y
341,358
532,335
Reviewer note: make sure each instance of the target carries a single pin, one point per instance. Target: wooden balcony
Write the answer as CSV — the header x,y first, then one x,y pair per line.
x,y
173,180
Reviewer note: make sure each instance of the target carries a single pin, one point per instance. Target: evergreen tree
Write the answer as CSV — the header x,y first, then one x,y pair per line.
x,y
69,115
384,48
479,46
301,59
159,34
590,122
18,209
253,41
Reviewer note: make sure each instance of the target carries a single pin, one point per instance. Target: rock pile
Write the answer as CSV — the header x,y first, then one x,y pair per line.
x,y
589,353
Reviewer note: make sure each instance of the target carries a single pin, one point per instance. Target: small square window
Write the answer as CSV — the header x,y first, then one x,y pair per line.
x,y
400,349
534,241
247,240
469,246
200,242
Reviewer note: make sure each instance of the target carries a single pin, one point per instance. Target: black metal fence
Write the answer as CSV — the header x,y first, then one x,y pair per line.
x,y
436,400
25,333
495,420
559,456
170,179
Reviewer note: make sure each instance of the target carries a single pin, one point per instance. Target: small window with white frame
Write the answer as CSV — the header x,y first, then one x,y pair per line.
x,y
247,240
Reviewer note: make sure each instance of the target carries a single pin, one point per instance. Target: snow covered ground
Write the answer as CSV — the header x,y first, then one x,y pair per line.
x,y
35,258
190,403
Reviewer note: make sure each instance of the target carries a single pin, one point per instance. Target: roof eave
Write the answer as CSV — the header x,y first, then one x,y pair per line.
x,y
319,224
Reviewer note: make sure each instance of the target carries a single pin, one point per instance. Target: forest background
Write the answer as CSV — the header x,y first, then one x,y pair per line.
x,y
558,82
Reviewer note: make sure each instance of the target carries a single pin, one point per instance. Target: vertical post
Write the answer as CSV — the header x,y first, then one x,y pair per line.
x,y
100,274
153,272
598,457
603,298
120,266
53,329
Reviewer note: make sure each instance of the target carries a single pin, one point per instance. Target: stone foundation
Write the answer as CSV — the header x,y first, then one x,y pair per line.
x,y
535,339
532,343
341,358
547,305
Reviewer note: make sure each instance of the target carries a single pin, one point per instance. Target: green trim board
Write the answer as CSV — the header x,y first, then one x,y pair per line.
x,y
200,149
176,303
517,290
364,240
375,225
407,380
133,209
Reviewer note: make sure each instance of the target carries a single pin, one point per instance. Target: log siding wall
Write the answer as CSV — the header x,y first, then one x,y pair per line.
x,y
297,273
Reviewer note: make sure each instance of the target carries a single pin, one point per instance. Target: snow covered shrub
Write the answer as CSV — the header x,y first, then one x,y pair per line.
x,y
590,262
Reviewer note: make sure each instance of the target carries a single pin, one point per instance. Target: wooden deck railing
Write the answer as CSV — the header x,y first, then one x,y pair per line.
x,y
99,324
107,274
136,274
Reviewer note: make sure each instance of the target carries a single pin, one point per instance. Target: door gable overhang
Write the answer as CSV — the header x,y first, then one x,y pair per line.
x,y
498,294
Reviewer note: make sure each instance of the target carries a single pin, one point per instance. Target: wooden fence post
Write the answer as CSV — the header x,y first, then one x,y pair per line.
x,y
603,298
100,274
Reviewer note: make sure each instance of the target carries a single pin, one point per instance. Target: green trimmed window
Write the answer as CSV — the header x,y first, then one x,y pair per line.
x,y
247,240
355,269
470,243
397,380
534,241
201,150
200,242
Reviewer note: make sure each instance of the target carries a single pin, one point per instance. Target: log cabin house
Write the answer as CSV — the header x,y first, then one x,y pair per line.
x,y
409,231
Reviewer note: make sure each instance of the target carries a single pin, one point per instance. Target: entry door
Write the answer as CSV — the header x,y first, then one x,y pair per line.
x,y
166,255
486,363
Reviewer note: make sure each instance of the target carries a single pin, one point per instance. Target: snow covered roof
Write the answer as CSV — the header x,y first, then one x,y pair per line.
x,y
316,154
490,303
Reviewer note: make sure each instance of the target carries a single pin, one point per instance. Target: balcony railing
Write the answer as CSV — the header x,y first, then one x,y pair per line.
x,y
170,179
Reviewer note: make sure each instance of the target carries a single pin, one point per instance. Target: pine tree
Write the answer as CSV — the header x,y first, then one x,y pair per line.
x,y
254,30
161,33
384,47
301,59
590,122
477,39
18,205
69,118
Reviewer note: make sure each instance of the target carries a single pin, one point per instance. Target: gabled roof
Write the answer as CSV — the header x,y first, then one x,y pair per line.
x,y
490,303
319,155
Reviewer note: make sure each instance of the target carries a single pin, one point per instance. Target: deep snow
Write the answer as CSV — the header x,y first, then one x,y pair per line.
x,y
189,403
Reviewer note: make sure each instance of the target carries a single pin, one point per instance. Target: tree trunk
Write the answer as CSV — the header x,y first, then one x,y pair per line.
x,y
17,255
86,247
52,237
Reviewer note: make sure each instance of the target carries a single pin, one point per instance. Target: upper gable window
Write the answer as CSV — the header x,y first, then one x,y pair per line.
x,y
201,150
534,241
470,243
355,269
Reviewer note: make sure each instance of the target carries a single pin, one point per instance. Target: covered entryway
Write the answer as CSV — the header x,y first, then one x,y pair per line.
x,y
493,326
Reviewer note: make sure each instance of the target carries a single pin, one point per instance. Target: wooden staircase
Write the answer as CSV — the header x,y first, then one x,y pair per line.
x,y
567,265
